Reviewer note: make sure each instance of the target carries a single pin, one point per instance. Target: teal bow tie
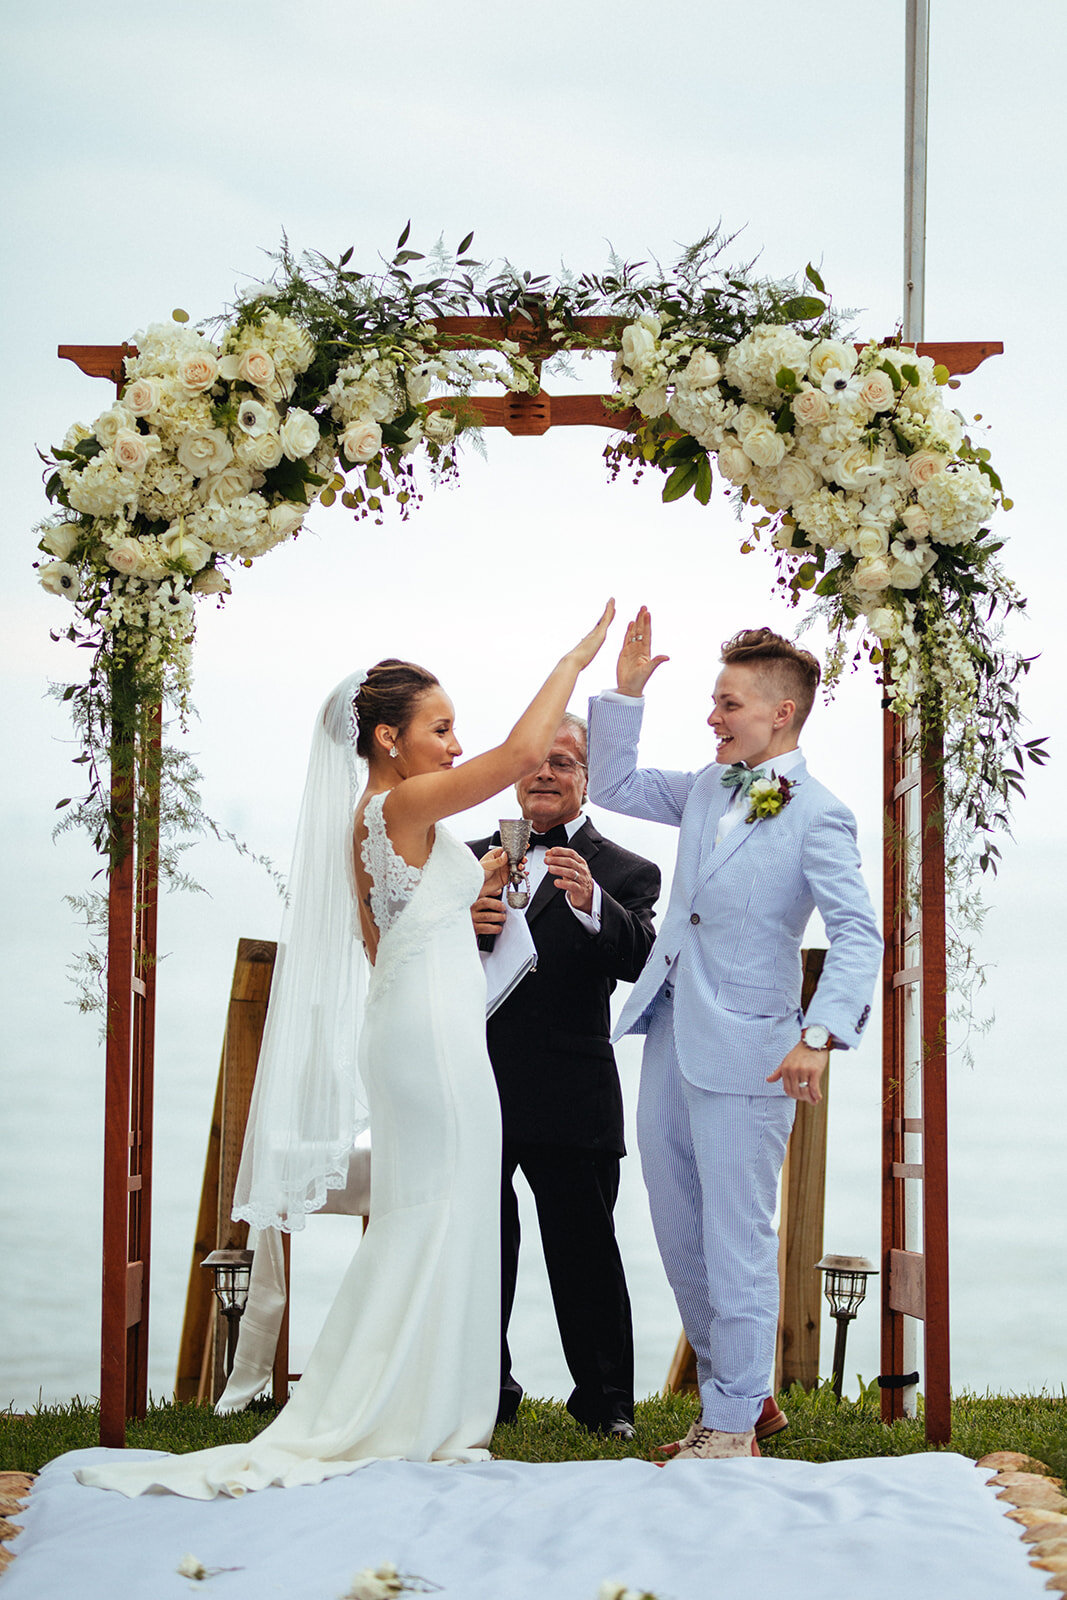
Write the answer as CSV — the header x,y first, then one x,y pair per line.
x,y
742,778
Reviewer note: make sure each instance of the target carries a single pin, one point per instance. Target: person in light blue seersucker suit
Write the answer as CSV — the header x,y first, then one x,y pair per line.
x,y
728,1052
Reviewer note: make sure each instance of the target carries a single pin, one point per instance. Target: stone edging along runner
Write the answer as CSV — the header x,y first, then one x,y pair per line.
x,y
1038,1502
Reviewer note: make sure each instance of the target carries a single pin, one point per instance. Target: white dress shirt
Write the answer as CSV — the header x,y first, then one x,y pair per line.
x,y
535,866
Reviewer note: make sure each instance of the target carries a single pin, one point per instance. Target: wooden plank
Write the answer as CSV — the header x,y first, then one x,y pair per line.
x,y
250,992
682,1372
143,1052
907,1169
907,1283
901,980
115,1255
937,1377
893,903
197,1326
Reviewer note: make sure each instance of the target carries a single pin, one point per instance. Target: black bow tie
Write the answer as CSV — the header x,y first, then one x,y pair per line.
x,y
554,836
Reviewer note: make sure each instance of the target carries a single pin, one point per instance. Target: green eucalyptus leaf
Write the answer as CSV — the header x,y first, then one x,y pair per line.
x,y
786,379
803,308
405,235
680,481
702,488
910,373
814,279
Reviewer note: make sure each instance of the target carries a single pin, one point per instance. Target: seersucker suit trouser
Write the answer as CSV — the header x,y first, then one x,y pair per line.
x,y
711,1164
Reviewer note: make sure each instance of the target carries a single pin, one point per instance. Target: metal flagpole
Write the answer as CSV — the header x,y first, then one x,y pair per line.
x,y
916,100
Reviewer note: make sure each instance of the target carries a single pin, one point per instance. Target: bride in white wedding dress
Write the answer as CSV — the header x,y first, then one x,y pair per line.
x,y
407,1363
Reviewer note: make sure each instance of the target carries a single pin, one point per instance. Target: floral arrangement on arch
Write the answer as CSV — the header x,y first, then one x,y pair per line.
x,y
328,382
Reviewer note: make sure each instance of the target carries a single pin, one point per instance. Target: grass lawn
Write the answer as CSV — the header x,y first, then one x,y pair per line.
x,y
821,1429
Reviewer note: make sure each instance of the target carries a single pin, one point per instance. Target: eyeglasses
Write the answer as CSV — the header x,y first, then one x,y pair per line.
x,y
566,766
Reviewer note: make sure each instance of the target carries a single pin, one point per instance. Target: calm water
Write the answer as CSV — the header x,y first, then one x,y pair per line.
x,y
1007,1117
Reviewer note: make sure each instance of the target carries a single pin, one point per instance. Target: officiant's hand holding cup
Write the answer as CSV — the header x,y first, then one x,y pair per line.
x,y
636,661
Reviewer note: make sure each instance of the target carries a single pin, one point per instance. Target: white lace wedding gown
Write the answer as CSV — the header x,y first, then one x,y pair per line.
x,y
407,1363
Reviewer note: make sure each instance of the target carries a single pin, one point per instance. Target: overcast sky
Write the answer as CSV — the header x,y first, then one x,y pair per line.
x,y
154,154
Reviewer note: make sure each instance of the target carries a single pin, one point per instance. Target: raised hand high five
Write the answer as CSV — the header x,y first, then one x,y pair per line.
x,y
636,661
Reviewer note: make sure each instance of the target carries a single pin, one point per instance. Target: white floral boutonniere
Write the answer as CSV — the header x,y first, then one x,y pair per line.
x,y
768,796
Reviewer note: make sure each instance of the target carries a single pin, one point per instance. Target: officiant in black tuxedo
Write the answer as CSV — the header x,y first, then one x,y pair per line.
x,y
590,915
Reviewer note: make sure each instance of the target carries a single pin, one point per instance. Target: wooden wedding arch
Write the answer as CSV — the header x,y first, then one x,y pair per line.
x,y
914,1247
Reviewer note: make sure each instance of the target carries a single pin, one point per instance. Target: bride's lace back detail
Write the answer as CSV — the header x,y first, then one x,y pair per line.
x,y
392,880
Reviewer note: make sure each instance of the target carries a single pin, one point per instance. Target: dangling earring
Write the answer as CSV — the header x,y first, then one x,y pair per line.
x,y
393,753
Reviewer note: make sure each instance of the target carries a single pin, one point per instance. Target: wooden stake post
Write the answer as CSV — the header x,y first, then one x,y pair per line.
x,y
131,983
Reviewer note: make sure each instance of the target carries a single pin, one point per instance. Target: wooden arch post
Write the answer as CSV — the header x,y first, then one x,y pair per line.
x,y
914,1282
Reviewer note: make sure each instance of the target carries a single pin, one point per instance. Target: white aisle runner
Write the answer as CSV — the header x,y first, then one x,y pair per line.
x,y
925,1526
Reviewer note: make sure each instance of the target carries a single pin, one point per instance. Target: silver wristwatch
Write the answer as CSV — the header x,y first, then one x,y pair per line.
x,y
816,1037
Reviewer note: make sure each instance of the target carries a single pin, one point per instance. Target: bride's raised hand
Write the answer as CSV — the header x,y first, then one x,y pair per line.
x,y
636,661
585,650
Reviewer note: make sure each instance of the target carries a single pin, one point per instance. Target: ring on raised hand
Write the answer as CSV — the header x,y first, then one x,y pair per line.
x,y
802,1086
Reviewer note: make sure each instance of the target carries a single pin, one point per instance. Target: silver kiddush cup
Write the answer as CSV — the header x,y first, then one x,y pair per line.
x,y
515,838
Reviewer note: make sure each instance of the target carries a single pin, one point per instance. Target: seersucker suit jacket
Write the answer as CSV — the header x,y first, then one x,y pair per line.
x,y
737,913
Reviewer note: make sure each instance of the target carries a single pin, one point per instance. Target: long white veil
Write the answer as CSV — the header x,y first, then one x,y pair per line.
x,y
308,1105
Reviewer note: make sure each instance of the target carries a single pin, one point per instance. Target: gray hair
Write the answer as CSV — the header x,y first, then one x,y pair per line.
x,y
580,728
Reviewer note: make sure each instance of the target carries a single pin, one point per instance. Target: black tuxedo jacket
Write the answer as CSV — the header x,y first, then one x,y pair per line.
x,y
550,1042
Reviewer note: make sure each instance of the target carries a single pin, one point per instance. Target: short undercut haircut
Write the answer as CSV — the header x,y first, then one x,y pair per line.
x,y
785,671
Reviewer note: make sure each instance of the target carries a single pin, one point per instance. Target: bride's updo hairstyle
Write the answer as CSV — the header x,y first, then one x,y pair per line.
x,y
389,693
784,670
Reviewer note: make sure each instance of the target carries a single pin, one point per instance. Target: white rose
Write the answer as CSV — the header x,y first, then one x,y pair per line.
x,y
132,449
197,372
810,407
60,541
256,419
905,575
856,467
439,428
299,434
794,478
142,396
885,623
232,483
924,465
178,545
126,557
870,541
764,445
60,578
260,453
286,517
638,346
871,576
211,581
703,369
734,464
107,425
877,392
252,366
917,521
363,440
831,353
205,451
